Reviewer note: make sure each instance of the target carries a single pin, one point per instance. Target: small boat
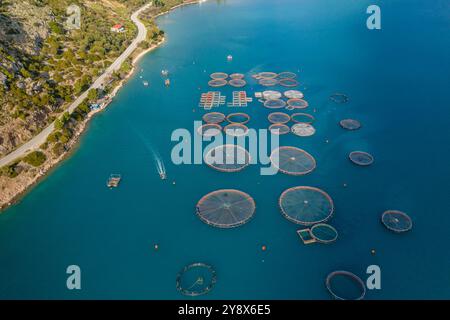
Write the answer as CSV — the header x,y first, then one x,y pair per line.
x,y
163,176
145,83
165,73
114,180
229,57
167,82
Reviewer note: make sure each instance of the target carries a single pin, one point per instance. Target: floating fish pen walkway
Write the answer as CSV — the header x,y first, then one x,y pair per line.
x,y
339,98
306,205
196,279
319,233
214,117
238,117
303,129
278,117
226,208
240,99
228,158
344,285
209,130
361,158
279,129
396,221
292,161
236,130
350,124
302,118
211,99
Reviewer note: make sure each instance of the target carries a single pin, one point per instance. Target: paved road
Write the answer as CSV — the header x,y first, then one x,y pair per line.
x,y
38,140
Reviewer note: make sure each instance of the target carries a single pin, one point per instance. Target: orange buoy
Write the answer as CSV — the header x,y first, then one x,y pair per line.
x,y
264,248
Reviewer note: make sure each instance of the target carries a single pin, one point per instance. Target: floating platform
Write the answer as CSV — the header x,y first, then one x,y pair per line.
x,y
114,181
211,99
240,99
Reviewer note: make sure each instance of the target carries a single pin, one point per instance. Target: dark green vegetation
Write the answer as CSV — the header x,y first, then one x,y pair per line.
x,y
35,158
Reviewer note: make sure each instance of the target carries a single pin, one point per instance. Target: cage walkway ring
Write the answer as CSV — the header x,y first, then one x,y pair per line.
x,y
238,117
196,279
219,76
292,161
226,208
279,129
279,117
214,117
216,83
396,221
228,158
350,124
306,205
361,158
209,130
354,278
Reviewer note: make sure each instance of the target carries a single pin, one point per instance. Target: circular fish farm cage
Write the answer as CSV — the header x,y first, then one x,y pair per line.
x,y
306,205
302,118
287,75
237,76
226,208
219,76
214,117
267,75
216,83
287,82
279,129
339,98
279,117
361,158
196,279
297,103
396,221
344,285
209,130
228,158
274,104
238,117
350,124
294,94
268,82
238,83
292,161
236,130
324,233
271,95
303,129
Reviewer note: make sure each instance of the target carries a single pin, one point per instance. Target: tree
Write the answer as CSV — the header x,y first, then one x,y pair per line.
x,y
36,158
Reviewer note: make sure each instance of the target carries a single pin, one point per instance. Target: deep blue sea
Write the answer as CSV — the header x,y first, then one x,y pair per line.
x,y
397,79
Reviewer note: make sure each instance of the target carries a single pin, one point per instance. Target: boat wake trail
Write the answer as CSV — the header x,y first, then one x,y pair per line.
x,y
158,160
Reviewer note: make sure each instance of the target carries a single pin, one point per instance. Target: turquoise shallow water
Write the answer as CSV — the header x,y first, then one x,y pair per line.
x,y
396,79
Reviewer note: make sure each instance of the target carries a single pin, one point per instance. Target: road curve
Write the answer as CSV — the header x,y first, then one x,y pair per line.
x,y
39,139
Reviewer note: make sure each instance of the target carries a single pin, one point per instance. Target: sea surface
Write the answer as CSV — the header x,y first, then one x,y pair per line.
x,y
397,81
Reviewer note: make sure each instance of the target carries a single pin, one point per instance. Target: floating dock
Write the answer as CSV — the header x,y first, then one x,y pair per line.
x,y
240,99
114,180
211,99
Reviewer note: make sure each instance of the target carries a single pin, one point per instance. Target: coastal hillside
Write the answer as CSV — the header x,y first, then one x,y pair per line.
x,y
45,65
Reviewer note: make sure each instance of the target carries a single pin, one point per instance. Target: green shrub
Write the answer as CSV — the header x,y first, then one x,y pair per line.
x,y
9,171
35,158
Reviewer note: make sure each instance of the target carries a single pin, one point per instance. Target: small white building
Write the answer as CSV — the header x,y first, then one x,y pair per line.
x,y
118,28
